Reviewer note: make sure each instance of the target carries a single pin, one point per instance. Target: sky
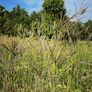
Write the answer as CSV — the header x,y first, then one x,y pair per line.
x,y
35,5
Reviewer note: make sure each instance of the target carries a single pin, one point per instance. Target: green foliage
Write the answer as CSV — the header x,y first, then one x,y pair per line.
x,y
19,16
4,21
54,7
88,27
1,9
34,16
10,21
50,22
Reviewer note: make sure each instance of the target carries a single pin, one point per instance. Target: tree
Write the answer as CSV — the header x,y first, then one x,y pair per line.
x,y
34,16
1,9
88,25
54,7
54,13
19,16
79,32
88,29
4,21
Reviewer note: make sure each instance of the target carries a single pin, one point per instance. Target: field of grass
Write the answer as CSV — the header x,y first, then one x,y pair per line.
x,y
41,65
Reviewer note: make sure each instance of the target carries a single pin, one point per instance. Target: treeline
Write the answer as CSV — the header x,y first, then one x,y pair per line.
x,y
51,22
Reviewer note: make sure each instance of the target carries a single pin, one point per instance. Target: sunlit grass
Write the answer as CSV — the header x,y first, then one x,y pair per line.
x,y
41,65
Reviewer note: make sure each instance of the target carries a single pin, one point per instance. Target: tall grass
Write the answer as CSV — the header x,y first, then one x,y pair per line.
x,y
39,64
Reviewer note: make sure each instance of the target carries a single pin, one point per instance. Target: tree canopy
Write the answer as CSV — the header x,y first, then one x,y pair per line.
x,y
55,7
47,21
